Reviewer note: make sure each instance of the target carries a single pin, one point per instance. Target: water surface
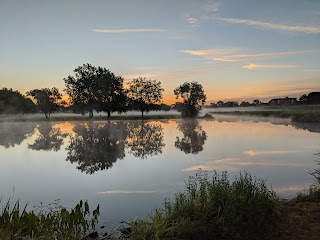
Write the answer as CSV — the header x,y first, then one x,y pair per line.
x,y
129,167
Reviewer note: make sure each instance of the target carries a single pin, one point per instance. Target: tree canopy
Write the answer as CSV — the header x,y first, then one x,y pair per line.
x,y
193,98
95,88
47,100
13,102
145,95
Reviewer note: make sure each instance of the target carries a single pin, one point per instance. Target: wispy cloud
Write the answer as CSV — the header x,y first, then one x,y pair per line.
x,y
192,21
126,191
272,26
128,30
206,52
252,66
228,54
253,153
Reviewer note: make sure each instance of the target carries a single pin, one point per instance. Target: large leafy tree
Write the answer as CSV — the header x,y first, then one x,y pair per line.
x,y
95,88
193,98
47,100
145,95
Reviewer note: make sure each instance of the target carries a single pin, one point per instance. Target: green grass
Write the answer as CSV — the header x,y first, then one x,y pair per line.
x,y
214,208
47,222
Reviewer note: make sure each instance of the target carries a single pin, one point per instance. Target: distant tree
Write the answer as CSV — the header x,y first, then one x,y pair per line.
x,y
256,102
213,105
95,88
303,99
193,97
165,107
47,100
231,104
145,95
245,104
13,102
220,103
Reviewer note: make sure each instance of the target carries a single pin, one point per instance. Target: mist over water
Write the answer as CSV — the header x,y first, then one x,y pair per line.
x,y
129,167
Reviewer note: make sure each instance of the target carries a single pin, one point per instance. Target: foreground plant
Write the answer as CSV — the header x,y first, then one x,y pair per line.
x,y
46,222
214,208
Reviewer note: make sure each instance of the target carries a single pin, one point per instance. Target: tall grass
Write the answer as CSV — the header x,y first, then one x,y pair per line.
x,y
46,222
214,208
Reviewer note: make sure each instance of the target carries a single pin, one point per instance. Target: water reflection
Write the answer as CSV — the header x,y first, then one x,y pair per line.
x,y
96,146
193,137
145,139
49,138
12,134
311,127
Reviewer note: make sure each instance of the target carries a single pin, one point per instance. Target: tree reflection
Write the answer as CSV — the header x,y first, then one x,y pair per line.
x,y
12,134
96,146
50,138
145,139
193,137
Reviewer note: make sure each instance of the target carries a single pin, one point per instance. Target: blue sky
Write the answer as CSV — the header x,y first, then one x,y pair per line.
x,y
237,49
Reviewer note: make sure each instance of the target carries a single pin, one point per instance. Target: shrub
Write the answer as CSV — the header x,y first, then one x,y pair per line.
x,y
214,209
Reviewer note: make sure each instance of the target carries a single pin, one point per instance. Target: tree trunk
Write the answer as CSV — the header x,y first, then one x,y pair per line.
x,y
46,115
142,113
109,113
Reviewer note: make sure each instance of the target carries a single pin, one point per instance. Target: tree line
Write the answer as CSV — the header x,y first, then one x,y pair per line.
x,y
97,89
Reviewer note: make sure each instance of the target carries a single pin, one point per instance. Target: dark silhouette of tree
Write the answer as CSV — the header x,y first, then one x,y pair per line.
x,y
145,95
49,138
96,146
14,133
193,137
256,102
245,104
95,88
303,99
13,102
47,100
193,97
145,139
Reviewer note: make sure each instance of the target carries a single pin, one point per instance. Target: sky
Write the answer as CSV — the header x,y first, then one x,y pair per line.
x,y
237,49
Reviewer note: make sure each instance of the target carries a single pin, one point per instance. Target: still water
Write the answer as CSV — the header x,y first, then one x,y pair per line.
x,y
129,167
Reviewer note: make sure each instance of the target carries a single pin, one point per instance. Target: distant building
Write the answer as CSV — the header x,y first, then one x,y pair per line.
x,y
283,101
314,98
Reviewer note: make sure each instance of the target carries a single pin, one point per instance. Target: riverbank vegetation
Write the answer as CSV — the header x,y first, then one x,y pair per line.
x,y
50,222
209,208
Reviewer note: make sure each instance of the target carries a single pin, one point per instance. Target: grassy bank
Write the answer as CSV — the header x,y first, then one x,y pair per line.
x,y
209,208
296,113
46,222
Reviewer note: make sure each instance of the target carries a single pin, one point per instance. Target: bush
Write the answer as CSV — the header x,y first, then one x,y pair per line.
x,y
214,209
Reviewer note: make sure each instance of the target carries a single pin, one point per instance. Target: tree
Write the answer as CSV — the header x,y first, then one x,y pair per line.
x,y
303,99
256,102
193,97
145,95
13,102
47,100
95,88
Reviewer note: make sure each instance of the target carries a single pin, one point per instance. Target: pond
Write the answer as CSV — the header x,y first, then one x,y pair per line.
x,y
130,167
